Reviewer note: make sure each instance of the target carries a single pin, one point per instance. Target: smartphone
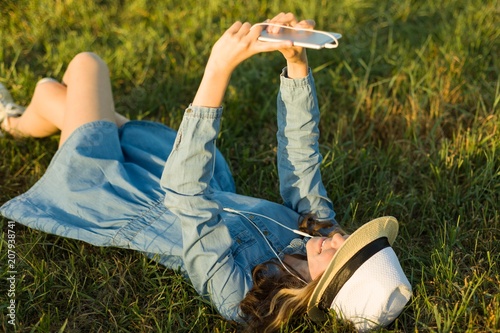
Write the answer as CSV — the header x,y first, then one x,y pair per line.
x,y
312,39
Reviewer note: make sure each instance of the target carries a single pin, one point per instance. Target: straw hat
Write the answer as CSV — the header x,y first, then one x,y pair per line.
x,y
364,282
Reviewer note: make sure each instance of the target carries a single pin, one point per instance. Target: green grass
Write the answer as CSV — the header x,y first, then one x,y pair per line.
x,y
410,128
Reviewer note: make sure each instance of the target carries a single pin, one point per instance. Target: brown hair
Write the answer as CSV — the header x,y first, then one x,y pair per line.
x,y
277,296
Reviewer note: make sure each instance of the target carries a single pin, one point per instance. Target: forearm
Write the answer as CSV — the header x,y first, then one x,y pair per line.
x,y
212,87
237,44
299,159
189,167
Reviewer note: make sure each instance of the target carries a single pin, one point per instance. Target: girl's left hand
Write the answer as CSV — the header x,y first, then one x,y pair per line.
x,y
294,54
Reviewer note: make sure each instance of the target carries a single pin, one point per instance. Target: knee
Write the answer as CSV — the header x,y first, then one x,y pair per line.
x,y
86,62
47,87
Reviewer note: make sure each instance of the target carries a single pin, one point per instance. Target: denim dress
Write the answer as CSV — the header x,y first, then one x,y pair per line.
x,y
171,195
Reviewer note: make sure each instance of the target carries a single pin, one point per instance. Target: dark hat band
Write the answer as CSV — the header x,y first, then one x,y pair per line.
x,y
346,271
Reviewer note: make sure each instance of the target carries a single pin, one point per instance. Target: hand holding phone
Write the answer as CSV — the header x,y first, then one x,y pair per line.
x,y
308,38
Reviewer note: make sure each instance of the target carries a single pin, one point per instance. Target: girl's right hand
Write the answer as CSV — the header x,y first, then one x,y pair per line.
x,y
237,44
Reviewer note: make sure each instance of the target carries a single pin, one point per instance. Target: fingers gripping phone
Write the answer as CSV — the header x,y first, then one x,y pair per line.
x,y
313,39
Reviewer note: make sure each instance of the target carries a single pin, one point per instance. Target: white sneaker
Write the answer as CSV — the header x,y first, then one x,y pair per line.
x,y
7,106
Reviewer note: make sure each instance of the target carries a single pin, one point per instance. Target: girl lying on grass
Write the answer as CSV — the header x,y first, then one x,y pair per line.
x,y
140,185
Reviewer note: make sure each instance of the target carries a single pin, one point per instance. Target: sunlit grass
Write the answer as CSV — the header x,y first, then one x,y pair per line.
x,y
410,128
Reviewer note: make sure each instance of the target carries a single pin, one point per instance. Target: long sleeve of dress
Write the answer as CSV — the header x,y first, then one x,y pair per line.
x,y
299,159
206,242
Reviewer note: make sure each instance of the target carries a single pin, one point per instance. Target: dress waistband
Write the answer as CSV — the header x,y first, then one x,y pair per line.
x,y
127,233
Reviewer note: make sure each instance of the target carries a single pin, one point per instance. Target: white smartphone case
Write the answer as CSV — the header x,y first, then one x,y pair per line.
x,y
313,39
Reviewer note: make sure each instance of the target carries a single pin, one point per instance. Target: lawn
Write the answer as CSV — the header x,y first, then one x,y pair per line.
x,y
410,107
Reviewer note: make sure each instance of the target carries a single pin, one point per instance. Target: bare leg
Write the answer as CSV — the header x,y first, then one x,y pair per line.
x,y
88,97
84,97
44,116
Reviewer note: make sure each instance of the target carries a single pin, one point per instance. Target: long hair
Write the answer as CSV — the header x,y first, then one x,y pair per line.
x,y
277,296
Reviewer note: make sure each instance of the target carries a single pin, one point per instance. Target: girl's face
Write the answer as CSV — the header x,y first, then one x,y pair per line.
x,y
320,251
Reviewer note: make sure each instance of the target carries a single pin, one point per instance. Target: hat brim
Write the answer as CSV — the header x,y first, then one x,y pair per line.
x,y
386,226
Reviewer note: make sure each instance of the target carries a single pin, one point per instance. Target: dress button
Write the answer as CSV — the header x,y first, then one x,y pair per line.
x,y
188,110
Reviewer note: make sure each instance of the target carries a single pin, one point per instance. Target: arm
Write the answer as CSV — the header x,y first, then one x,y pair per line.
x,y
299,159
190,166
206,242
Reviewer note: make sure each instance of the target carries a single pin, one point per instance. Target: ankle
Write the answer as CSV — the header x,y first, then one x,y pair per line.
x,y
9,126
5,125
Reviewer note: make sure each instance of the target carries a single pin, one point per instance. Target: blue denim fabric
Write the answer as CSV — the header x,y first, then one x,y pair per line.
x,y
112,187
299,159
207,235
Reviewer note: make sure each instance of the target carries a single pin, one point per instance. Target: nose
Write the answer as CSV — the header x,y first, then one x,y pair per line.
x,y
336,241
